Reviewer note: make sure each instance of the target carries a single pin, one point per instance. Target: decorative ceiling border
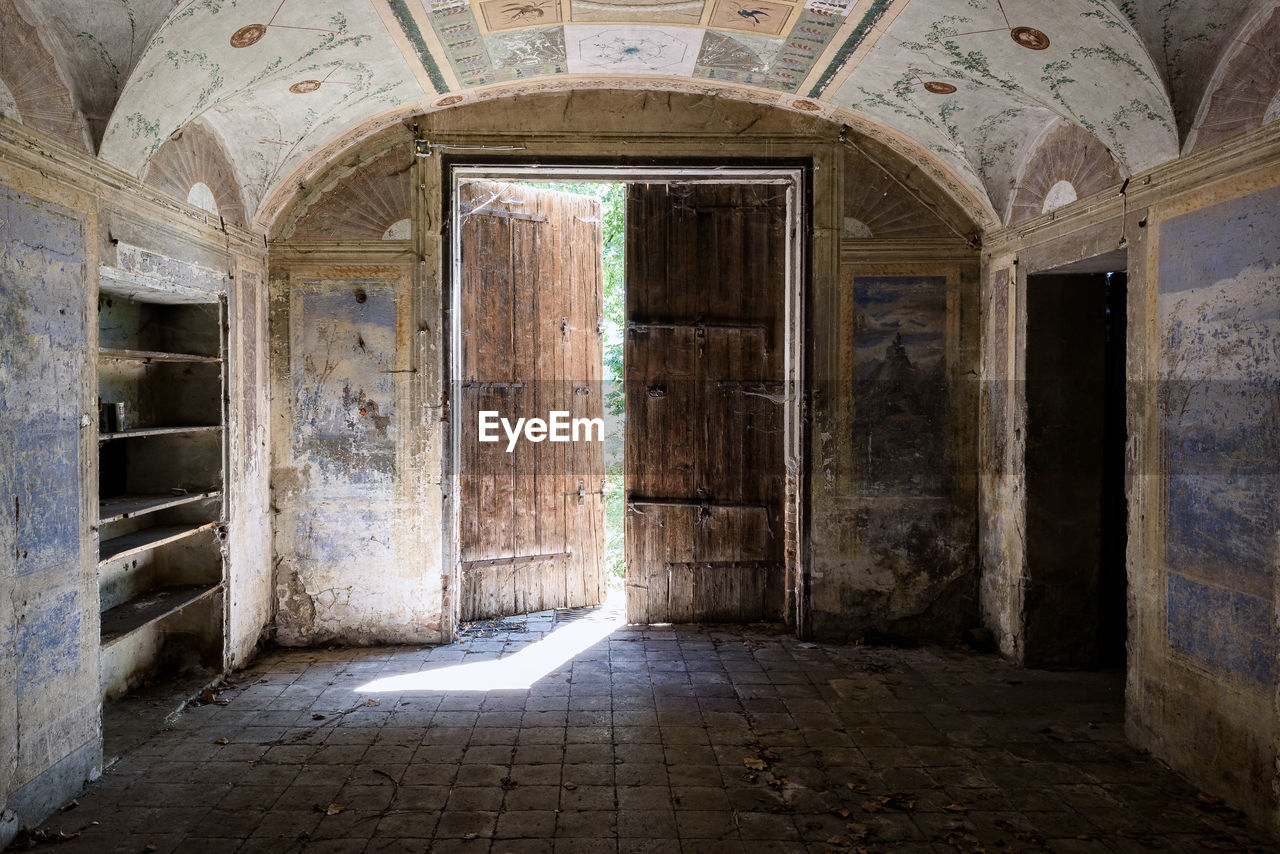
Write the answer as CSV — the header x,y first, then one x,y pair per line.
x,y
865,25
415,36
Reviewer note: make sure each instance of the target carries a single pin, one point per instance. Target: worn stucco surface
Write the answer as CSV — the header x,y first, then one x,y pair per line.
x,y
891,550
354,561
894,530
250,579
48,590
1205,698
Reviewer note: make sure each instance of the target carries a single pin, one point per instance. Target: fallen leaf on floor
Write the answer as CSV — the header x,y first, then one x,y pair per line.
x,y
955,808
754,764
570,786
769,754
872,806
750,776
220,741
840,811
857,829
317,717
333,809
373,701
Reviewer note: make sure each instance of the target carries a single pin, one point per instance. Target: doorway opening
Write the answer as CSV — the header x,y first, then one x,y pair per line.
x,y
664,303
1077,514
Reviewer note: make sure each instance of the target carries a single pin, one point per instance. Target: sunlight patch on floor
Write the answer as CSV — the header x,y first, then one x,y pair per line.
x,y
516,672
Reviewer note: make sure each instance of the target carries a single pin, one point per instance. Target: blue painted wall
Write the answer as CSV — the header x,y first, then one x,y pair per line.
x,y
1220,411
48,638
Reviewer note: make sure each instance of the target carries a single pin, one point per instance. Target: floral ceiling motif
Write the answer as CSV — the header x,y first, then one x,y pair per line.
x,y
974,83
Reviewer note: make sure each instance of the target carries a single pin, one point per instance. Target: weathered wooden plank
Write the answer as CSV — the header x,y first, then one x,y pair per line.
x,y
533,338
705,440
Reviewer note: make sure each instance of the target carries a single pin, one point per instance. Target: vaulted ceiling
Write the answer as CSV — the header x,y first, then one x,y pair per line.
x,y
973,86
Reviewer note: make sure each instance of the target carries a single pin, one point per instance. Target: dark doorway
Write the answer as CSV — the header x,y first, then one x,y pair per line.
x,y
1074,605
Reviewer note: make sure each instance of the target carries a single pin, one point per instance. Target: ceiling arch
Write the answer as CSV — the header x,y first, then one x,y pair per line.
x,y
1241,94
1065,154
965,86
37,93
193,156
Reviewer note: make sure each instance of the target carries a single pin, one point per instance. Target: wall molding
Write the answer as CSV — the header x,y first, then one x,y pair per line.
x,y
360,253
907,250
31,149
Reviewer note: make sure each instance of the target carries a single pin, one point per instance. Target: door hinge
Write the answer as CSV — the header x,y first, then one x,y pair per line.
x,y
582,492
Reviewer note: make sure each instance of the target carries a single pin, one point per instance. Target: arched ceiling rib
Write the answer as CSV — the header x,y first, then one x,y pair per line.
x,y
280,80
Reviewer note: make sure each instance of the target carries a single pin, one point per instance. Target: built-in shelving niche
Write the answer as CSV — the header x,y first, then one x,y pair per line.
x,y
161,482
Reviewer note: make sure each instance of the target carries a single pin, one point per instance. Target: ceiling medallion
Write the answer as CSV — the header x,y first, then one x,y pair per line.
x,y
807,106
250,35
449,101
1030,37
937,87
302,87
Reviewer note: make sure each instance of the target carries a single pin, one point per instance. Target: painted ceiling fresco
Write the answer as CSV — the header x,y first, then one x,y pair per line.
x,y
974,83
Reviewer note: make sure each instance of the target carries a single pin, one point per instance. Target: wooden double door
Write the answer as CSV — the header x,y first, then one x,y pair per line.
x,y
705,401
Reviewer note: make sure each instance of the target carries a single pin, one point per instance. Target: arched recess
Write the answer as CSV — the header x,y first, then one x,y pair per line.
x,y
361,200
32,77
552,106
885,198
1247,83
1065,153
194,156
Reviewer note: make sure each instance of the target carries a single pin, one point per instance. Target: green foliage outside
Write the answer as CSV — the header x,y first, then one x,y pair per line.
x,y
613,199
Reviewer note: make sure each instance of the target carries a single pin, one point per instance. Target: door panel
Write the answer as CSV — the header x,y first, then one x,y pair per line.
x,y
704,370
531,522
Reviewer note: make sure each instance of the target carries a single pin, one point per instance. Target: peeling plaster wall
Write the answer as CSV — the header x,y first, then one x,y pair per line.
x,y
251,593
894,534
62,214
1202,460
1002,489
1206,700
357,560
885,552
49,717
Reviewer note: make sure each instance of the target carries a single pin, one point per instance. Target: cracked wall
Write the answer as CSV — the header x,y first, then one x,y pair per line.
x,y
354,562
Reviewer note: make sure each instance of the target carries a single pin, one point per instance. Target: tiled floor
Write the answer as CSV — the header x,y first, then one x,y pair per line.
x,y
679,739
